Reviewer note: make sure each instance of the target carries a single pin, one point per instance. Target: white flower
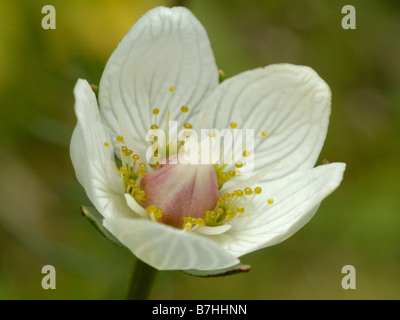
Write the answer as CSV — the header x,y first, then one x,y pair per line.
x,y
170,216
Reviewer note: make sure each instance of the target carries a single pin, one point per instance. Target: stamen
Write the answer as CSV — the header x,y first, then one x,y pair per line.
x,y
240,209
128,171
239,164
155,112
154,212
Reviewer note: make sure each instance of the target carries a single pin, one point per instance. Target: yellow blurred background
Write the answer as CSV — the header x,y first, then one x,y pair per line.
x,y
40,220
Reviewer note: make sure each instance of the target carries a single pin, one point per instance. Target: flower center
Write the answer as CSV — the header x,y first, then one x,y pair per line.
x,y
184,195
180,190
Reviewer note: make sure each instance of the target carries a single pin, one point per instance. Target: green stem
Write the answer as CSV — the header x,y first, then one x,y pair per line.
x,y
141,282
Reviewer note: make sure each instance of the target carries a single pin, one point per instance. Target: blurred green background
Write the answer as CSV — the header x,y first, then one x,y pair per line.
x,y
40,220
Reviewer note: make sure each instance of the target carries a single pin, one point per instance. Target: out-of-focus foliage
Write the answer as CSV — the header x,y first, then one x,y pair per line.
x,y
40,221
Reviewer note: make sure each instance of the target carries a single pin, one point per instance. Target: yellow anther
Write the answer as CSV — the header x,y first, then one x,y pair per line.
x,y
200,222
124,149
184,109
142,172
264,133
158,213
232,173
106,144
131,182
237,172
187,126
187,226
154,212
239,193
240,209
246,153
238,164
186,134
142,166
172,89
122,170
156,111
154,126
248,191
135,157
233,125
220,211
257,190
208,213
151,209
211,134
193,220
230,213
128,153
270,201
223,175
120,139
226,196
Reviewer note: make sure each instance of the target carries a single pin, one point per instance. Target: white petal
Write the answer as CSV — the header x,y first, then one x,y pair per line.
x,y
166,47
212,231
296,199
89,158
291,103
167,248
136,208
